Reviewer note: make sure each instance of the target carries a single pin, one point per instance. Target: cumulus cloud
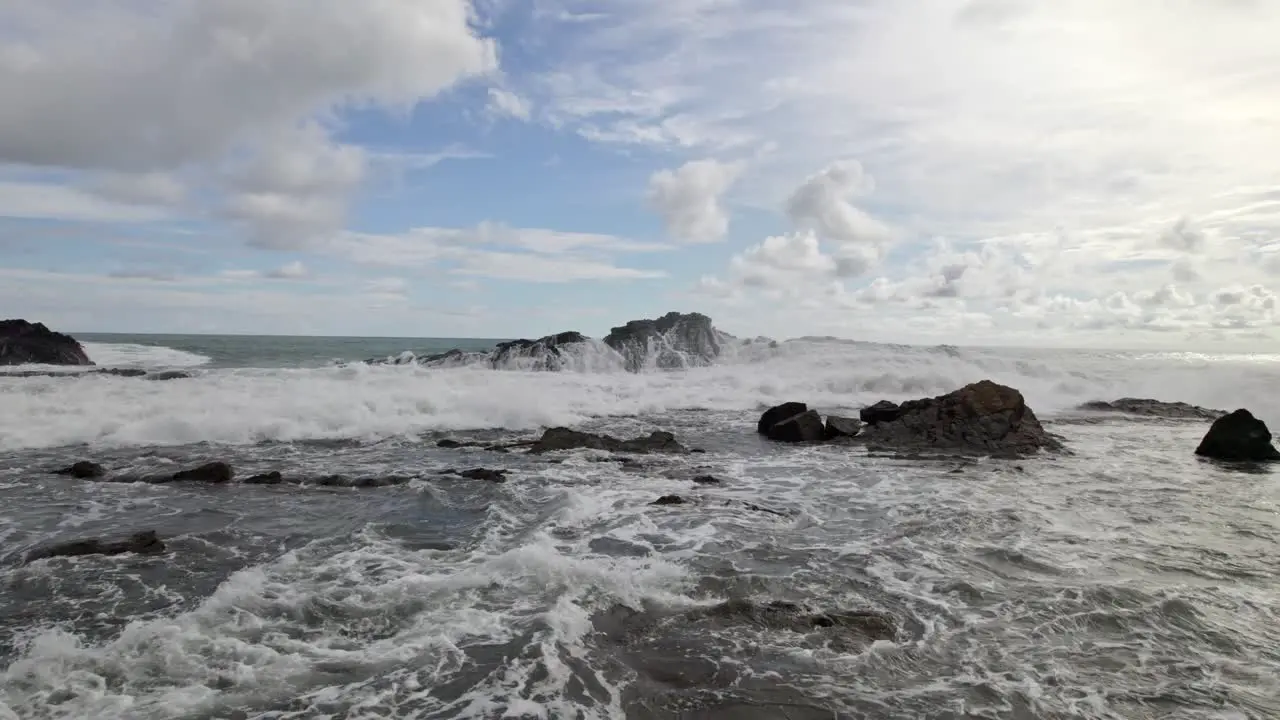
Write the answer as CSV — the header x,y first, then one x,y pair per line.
x,y
823,203
1183,236
689,199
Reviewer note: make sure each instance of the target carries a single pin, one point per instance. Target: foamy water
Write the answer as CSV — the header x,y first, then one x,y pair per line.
x,y
1126,580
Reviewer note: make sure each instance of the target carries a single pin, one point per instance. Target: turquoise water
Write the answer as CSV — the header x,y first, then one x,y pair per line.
x,y
264,351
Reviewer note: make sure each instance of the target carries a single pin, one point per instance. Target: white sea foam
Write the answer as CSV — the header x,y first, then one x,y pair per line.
x,y
141,356
378,402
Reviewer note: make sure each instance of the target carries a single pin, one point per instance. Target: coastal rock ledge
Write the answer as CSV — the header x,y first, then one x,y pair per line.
x,y
26,343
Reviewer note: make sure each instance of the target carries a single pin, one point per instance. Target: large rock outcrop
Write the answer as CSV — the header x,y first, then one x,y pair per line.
x,y
675,340
982,417
551,353
1154,408
25,343
1238,436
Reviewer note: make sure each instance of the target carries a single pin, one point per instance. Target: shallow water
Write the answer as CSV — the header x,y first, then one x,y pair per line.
x,y
1125,580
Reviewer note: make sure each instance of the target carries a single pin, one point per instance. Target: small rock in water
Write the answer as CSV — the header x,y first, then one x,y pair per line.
x,y
83,470
706,480
562,438
803,428
777,414
272,478
669,500
1154,408
496,476
1238,436
838,427
145,542
212,473
883,411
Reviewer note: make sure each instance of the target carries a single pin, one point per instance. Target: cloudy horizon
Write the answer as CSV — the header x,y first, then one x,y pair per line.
x,y
992,172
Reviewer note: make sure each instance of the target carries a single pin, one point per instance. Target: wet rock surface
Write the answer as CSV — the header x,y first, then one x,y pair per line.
x,y
561,438
213,473
806,427
1154,408
1238,436
27,343
675,340
841,427
83,470
146,542
777,414
497,476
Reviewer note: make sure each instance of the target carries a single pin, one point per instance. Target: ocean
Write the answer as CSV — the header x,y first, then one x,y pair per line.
x,y
1124,579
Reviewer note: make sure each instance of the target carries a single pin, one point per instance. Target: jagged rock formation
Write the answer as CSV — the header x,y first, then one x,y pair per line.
x,y
24,343
672,341
1154,408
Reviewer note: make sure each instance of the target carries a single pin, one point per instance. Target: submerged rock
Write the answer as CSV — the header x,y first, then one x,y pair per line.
x,y
669,500
675,340
496,476
83,470
777,414
212,473
883,411
707,480
803,428
1154,408
562,438
781,615
25,343
838,427
271,478
982,417
1238,436
145,542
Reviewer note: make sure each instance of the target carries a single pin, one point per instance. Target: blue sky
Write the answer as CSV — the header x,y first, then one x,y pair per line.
x,y
990,171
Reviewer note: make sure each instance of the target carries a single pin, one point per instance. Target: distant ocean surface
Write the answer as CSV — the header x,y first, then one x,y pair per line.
x,y
1125,579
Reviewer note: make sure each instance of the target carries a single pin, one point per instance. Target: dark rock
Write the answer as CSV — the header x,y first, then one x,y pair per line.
x,y
883,411
838,427
213,473
1154,408
780,615
496,476
452,444
777,414
24,343
272,478
706,480
803,428
83,470
561,438
982,417
120,372
1238,436
672,341
546,353
669,500
146,542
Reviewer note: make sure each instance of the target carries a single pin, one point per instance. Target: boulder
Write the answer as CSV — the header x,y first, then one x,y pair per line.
x,y
777,414
1238,436
838,427
24,343
146,542
883,411
982,417
83,470
561,438
803,428
675,340
669,500
706,480
271,478
213,473
1154,408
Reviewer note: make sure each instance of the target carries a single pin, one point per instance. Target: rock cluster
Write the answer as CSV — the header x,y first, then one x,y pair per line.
x,y
794,422
25,343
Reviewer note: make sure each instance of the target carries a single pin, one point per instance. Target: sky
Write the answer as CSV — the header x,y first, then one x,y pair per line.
x,y
1084,173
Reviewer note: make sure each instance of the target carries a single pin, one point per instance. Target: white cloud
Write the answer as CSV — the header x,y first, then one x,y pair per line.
x,y
295,270
688,199
504,103
147,188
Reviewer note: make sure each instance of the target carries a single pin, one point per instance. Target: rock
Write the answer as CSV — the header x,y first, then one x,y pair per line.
x,y
883,411
212,473
803,428
272,478
168,375
548,353
24,343
838,427
706,480
672,341
83,470
982,417
777,414
669,500
781,615
1238,436
497,476
561,438
146,542
452,444
1154,408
